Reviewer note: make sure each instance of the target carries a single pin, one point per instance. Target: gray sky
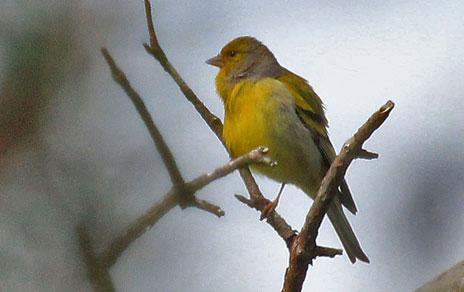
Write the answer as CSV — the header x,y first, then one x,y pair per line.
x,y
97,163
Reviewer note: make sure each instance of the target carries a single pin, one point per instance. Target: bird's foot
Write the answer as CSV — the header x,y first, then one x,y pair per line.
x,y
270,208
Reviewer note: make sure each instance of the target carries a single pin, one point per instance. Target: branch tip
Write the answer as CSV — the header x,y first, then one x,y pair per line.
x,y
387,107
364,154
244,200
209,207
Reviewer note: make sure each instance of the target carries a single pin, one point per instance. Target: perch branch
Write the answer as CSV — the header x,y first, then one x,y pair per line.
x,y
171,199
257,200
304,250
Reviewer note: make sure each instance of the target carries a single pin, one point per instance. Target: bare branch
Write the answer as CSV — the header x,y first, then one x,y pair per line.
x,y
207,207
151,28
188,199
179,193
156,51
139,227
98,274
364,154
304,248
258,201
322,251
171,199
254,156
161,146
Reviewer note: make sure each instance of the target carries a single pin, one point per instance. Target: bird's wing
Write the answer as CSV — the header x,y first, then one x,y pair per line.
x,y
310,110
307,101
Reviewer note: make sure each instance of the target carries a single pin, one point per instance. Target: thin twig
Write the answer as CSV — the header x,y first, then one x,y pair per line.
x,y
139,227
97,273
304,247
179,193
171,199
257,200
254,156
161,146
187,199
322,251
156,51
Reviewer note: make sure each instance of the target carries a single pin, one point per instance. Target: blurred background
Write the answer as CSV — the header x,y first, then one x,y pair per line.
x,y
74,151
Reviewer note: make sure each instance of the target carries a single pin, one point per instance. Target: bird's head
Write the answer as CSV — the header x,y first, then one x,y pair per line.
x,y
243,57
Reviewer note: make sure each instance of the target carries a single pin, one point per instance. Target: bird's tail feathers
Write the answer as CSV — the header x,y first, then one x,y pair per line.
x,y
345,233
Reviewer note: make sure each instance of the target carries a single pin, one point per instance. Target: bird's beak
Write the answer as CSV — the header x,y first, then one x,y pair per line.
x,y
215,61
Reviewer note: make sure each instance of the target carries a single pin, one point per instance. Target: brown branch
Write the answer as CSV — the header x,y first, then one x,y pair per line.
x,y
156,51
181,193
161,146
304,249
257,200
171,199
139,227
254,156
98,274
188,199
322,251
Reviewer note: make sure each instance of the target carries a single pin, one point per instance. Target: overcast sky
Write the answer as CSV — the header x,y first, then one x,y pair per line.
x,y
100,165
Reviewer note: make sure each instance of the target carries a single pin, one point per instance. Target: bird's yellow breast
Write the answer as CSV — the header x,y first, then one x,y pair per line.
x,y
244,121
262,113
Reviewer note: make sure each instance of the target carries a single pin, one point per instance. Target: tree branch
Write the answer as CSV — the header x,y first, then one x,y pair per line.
x,y
304,248
254,156
322,251
188,199
171,199
156,51
161,146
139,227
98,274
257,200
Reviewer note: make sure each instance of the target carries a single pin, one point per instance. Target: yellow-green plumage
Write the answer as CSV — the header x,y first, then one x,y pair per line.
x,y
259,113
267,105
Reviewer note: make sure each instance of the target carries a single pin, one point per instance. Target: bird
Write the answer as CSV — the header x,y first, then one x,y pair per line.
x,y
267,105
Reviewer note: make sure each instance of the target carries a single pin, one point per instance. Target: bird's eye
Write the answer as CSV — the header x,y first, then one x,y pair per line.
x,y
232,53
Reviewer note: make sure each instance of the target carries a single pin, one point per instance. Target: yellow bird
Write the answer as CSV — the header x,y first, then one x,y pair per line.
x,y
267,105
